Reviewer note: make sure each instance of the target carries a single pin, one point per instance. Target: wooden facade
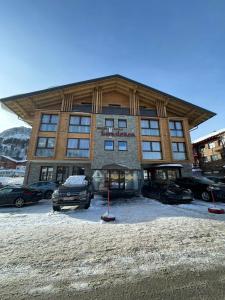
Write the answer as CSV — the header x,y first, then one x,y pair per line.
x,y
97,97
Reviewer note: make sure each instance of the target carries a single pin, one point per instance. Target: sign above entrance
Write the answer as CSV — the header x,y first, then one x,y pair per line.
x,y
117,133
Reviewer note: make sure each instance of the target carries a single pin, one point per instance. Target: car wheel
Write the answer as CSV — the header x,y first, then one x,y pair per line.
x,y
56,208
19,202
206,196
48,194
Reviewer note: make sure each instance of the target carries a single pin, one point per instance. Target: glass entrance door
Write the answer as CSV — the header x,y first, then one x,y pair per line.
x,y
62,174
116,179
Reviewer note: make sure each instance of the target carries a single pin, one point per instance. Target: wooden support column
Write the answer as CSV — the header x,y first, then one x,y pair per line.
x,y
134,102
161,108
67,102
97,100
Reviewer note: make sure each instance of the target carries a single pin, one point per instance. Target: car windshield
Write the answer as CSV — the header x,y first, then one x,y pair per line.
x,y
204,180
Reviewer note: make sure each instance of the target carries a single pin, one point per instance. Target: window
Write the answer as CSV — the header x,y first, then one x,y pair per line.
x,y
122,145
79,124
46,173
205,159
211,145
45,147
122,123
109,145
176,128
49,122
109,123
6,190
215,157
78,171
78,148
151,150
150,127
179,151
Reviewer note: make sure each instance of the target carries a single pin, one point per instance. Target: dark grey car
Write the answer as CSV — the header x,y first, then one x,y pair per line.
x,y
46,187
18,196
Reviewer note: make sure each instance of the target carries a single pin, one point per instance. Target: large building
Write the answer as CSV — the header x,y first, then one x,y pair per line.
x,y
112,128
209,152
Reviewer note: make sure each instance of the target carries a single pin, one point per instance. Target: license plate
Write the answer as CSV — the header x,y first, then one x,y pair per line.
x,y
186,197
68,198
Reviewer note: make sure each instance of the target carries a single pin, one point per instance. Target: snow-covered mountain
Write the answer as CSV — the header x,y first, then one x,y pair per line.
x,y
14,142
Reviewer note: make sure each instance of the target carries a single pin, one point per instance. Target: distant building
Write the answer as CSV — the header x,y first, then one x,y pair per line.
x,y
7,162
209,152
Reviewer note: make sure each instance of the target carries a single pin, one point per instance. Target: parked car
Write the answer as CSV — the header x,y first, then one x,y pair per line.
x,y
216,179
202,187
46,187
76,191
167,192
18,196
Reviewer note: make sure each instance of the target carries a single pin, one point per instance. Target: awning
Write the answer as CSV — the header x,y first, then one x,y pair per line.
x,y
168,166
115,167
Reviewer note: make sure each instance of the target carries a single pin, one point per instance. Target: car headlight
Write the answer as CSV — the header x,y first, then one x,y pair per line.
x,y
189,191
55,194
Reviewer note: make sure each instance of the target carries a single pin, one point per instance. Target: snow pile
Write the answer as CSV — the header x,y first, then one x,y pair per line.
x,y
45,253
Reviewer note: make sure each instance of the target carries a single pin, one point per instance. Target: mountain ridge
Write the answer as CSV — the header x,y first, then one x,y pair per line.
x,y
14,142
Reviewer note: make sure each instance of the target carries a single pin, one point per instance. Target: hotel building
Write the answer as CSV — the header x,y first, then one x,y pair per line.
x,y
114,129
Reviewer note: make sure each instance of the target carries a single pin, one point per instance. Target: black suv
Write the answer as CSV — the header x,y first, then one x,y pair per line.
x,y
202,187
166,192
76,191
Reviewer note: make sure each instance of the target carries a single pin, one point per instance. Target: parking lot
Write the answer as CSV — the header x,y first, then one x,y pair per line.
x,y
46,254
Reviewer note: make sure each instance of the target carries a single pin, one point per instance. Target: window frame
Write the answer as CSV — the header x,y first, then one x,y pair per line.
x,y
149,126
112,145
151,149
47,173
46,143
119,146
123,120
49,123
185,150
109,119
78,147
175,128
80,123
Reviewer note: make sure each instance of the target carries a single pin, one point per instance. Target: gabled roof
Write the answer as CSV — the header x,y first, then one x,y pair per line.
x,y
24,104
209,136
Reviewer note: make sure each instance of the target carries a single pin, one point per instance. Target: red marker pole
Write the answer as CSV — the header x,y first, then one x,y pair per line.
x,y
214,209
108,200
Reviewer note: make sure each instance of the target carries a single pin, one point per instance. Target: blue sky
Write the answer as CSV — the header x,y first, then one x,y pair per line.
x,y
175,46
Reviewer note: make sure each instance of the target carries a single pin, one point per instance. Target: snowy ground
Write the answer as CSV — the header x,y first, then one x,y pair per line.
x,y
11,180
46,254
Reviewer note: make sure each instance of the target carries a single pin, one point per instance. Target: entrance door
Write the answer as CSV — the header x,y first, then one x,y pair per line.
x,y
62,174
116,179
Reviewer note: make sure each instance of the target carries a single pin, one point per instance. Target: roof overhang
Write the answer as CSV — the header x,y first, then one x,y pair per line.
x,y
24,105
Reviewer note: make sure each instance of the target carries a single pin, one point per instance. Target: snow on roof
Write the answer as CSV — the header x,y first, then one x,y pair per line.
x,y
210,135
12,159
